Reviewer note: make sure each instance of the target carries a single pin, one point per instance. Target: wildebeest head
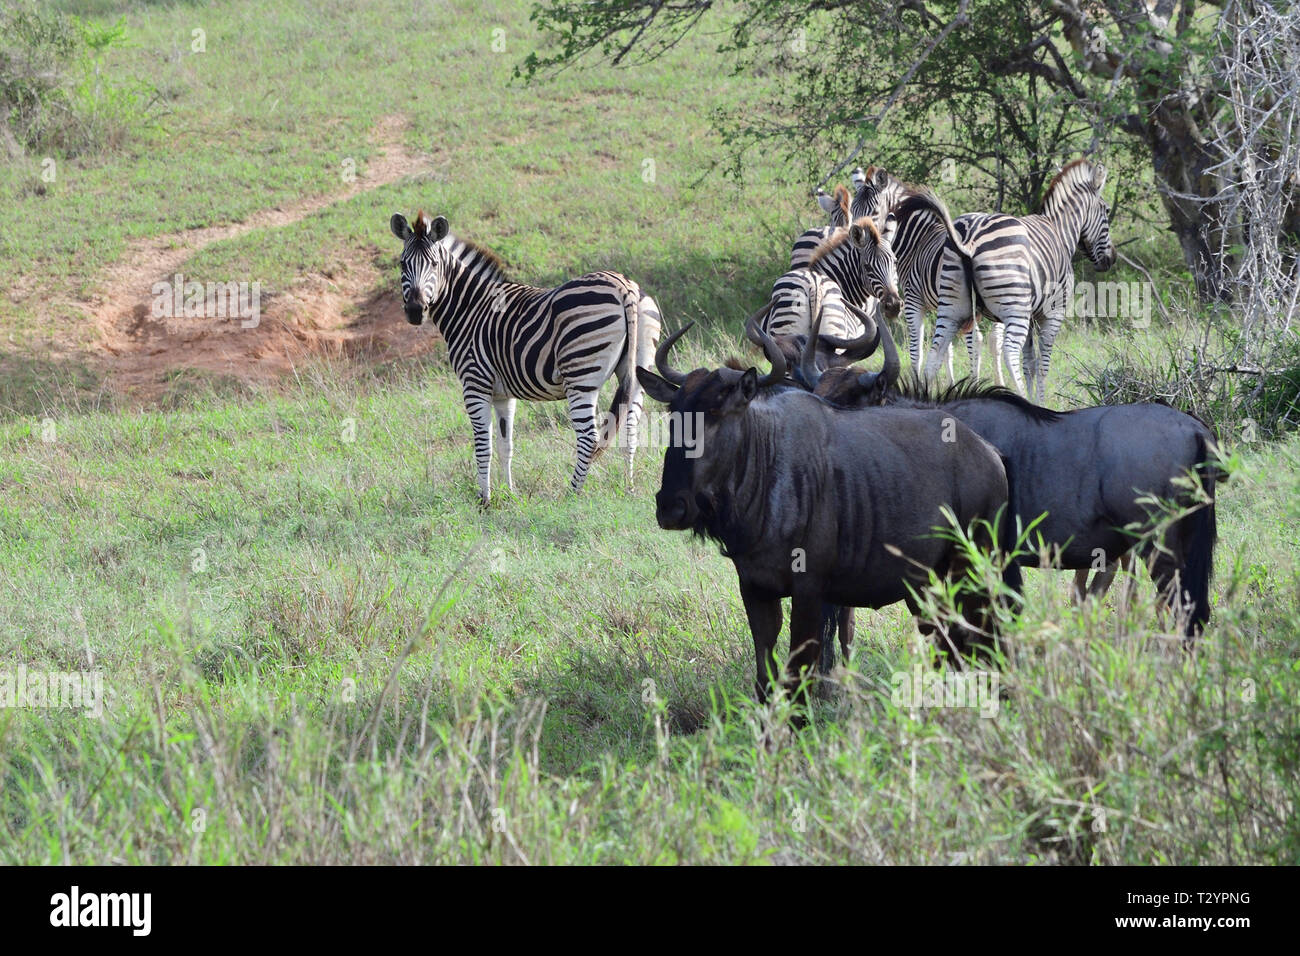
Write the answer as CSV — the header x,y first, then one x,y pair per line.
x,y
706,408
848,386
424,257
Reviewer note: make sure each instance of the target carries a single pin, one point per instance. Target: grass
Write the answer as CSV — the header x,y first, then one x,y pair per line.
x,y
316,648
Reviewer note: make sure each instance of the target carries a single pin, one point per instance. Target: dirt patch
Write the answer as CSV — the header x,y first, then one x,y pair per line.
x,y
337,315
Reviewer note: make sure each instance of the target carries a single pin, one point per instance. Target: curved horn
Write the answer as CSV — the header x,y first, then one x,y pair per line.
x,y
770,348
864,345
661,356
809,374
888,375
752,329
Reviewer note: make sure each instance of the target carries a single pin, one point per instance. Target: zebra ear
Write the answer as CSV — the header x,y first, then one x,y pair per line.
x,y
881,177
440,229
401,229
857,235
1098,176
891,228
826,201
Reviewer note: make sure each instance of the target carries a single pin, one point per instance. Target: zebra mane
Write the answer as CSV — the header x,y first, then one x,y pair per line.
x,y
916,390
475,250
1067,174
839,237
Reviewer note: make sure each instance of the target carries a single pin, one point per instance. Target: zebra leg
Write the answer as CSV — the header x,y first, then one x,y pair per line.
x,y
912,312
1047,333
974,339
954,311
505,409
479,408
582,416
630,432
996,351
1013,344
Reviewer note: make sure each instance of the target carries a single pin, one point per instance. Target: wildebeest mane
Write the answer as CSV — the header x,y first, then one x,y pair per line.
x,y
915,390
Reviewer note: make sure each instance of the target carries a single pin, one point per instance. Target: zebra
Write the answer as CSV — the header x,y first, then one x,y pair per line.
x,y
924,227
807,292
508,341
1020,270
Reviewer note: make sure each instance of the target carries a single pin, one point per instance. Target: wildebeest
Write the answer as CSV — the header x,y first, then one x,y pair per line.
x,y
1100,477
819,504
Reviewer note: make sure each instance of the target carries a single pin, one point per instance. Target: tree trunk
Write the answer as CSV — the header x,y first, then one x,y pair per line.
x,y
1181,161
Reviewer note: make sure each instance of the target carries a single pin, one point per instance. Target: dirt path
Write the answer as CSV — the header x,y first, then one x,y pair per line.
x,y
334,314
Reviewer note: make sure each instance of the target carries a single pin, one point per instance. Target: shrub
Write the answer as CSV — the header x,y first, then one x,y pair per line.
x,y
55,94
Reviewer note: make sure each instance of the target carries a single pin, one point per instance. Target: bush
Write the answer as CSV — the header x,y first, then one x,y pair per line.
x,y
55,95
1205,378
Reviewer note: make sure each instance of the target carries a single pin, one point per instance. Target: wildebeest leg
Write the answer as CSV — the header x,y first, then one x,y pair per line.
x,y
830,623
846,631
764,613
1080,589
805,644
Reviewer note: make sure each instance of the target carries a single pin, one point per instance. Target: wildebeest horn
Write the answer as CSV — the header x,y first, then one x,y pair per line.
x,y
861,347
774,354
752,328
661,356
888,375
809,373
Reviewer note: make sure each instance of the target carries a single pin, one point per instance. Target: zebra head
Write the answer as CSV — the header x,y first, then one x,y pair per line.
x,y
423,262
836,205
876,192
877,261
1074,200
1096,224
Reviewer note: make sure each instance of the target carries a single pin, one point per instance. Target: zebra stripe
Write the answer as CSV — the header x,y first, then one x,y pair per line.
x,y
799,297
1020,270
508,341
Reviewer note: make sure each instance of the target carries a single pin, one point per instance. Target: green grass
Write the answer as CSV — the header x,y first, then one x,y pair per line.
x,y
322,650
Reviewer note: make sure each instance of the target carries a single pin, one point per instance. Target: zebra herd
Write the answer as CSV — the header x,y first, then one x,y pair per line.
x,y
1092,483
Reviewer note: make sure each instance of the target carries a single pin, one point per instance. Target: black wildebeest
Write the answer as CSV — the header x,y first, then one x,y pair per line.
x,y
1101,477
819,504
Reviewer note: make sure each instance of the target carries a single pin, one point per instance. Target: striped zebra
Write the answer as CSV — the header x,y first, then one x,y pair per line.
x,y
1020,270
508,341
923,229
828,286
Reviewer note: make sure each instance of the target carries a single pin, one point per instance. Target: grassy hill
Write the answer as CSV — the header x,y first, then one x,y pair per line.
x,y
315,647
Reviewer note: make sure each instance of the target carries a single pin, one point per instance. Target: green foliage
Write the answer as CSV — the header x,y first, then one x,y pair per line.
x,y
55,95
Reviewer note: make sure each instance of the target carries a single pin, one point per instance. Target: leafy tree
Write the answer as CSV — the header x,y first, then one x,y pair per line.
x,y
1004,89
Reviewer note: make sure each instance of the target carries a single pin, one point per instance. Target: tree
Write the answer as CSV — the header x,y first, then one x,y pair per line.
x,y
1006,88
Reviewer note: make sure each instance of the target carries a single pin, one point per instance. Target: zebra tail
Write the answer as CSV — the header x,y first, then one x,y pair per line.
x,y
959,245
941,210
628,386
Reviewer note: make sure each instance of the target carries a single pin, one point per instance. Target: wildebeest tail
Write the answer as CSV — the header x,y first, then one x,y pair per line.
x,y
1008,533
829,628
1203,528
